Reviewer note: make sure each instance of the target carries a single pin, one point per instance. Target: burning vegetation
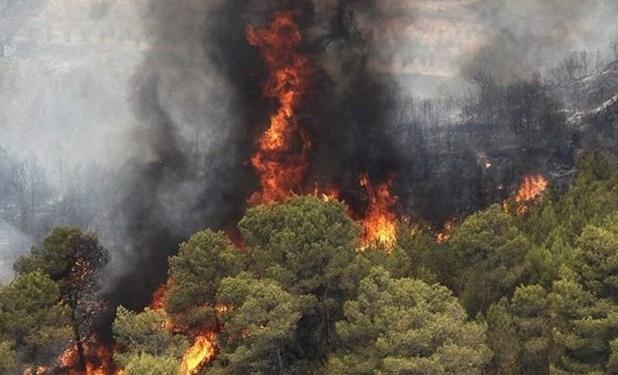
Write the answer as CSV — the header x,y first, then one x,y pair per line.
x,y
199,354
532,187
379,221
283,150
300,289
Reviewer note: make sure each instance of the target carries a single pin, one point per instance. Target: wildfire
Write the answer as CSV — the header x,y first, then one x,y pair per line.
x,y
158,298
379,223
532,187
282,156
530,190
198,355
446,231
98,360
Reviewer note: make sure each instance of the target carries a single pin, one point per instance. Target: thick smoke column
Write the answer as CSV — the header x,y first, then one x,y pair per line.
x,y
199,100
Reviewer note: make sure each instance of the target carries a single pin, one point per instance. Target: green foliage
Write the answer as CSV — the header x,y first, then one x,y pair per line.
x,y
141,336
147,364
306,244
596,258
309,247
416,254
540,290
195,274
59,252
502,339
405,326
32,318
7,358
260,327
490,251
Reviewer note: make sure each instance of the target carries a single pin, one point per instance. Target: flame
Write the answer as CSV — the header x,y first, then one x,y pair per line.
x,y
198,355
158,298
531,188
98,358
379,223
282,156
446,231
327,194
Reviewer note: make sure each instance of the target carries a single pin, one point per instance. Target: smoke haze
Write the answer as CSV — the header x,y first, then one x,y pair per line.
x,y
157,103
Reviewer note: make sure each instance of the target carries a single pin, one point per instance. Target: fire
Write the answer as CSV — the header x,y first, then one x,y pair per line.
x,y
530,190
198,355
98,360
446,231
326,194
379,223
282,156
158,298
532,187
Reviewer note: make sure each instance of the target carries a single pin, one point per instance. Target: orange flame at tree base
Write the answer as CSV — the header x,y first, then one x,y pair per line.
x,y
379,222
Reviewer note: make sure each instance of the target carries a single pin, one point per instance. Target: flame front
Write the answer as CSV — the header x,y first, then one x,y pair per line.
x,y
198,355
98,358
379,222
532,187
283,150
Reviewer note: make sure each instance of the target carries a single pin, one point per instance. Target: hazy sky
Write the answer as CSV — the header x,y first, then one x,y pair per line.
x,y
68,67
67,64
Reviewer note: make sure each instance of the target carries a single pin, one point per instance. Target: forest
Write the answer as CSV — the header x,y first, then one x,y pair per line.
x,y
299,187
518,288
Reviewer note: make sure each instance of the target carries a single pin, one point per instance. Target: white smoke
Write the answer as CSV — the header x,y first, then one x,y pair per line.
x,y
13,244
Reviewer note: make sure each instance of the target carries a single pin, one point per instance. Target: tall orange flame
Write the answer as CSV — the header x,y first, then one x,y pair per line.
x,y
282,156
379,222
531,188
199,354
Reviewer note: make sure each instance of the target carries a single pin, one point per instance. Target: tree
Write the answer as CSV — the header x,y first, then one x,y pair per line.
x,y
584,326
75,260
596,258
531,318
405,326
32,319
7,358
144,338
490,253
502,339
309,247
416,254
260,326
195,274
147,364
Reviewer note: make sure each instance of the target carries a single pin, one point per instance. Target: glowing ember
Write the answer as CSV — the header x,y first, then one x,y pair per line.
x,y
326,194
446,231
532,187
379,223
198,355
282,157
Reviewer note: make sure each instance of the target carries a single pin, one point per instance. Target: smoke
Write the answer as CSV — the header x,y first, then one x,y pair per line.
x,y
198,98
173,106
531,36
13,244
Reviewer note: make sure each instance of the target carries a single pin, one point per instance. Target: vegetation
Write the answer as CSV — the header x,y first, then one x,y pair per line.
x,y
509,291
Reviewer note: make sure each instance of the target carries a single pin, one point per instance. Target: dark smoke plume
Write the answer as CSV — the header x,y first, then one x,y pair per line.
x,y
198,97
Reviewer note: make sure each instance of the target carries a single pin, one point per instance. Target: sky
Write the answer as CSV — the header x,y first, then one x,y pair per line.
x,y
68,64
